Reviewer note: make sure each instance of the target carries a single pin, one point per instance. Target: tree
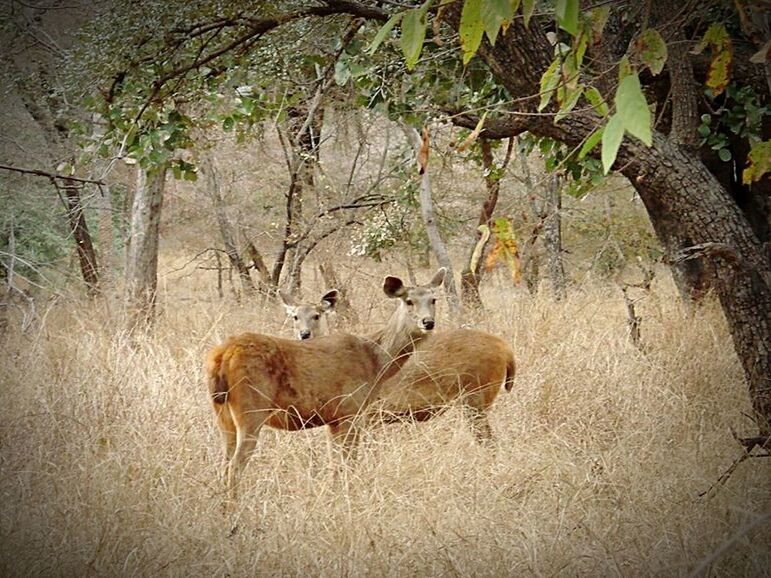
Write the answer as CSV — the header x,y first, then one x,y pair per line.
x,y
544,87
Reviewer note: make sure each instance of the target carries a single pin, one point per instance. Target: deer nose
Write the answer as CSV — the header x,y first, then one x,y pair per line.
x,y
428,324
305,334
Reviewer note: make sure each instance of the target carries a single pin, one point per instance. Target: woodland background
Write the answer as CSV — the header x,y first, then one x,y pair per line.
x,y
166,167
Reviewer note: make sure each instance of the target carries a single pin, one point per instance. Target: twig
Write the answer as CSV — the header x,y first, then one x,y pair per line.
x,y
49,175
748,444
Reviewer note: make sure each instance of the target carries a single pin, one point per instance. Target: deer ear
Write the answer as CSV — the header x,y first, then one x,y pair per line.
x,y
438,278
393,287
287,301
329,300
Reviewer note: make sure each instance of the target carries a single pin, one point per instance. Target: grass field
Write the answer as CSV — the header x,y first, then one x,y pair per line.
x,y
109,463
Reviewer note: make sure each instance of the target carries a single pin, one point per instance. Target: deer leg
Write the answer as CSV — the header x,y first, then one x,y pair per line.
x,y
248,428
346,434
229,437
480,425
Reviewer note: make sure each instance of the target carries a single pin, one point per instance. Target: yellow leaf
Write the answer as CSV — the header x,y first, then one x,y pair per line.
x,y
471,138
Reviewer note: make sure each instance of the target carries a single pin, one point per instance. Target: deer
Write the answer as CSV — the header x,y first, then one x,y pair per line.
x,y
310,319
462,364
256,380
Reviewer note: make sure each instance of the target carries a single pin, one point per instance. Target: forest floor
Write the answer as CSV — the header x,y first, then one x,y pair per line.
x,y
109,461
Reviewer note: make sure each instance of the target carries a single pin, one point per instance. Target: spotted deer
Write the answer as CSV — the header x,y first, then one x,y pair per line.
x,y
310,319
257,380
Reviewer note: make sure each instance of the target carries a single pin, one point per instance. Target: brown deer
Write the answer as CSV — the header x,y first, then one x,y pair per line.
x,y
257,380
310,319
461,364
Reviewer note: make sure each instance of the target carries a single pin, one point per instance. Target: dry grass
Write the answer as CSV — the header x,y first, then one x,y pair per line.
x,y
109,457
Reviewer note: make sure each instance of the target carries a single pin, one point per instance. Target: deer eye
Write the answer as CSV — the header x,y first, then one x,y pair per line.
x,y
408,302
316,317
294,317
433,301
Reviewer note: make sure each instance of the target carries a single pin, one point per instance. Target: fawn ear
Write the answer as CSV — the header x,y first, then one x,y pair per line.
x,y
329,300
438,278
393,287
288,302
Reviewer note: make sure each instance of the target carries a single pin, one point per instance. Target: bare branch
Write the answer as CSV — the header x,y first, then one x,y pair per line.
x,y
494,129
49,175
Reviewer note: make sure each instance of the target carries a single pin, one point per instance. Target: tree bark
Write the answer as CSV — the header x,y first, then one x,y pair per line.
x,y
682,187
429,221
83,244
552,236
470,278
142,261
227,231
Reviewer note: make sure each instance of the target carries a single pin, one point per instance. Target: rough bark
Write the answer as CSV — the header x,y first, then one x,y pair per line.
x,y
552,236
470,278
683,188
429,221
83,244
227,231
142,261
530,257
258,263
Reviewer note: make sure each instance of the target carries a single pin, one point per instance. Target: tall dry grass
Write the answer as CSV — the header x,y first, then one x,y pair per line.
x,y
109,462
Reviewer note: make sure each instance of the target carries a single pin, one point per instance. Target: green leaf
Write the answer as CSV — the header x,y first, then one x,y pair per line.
x,y
383,32
568,103
495,15
528,7
652,50
724,154
611,140
624,68
633,110
595,99
590,143
471,28
567,15
413,34
227,124
549,82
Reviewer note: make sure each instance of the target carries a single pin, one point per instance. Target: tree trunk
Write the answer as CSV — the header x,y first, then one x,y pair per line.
x,y
142,262
82,236
470,277
552,236
265,283
530,258
681,187
343,305
429,222
227,231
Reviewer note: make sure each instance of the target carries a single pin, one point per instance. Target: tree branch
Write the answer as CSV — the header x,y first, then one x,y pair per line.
x,y
494,129
49,175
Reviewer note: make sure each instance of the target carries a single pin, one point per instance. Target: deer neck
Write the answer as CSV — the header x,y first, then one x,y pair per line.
x,y
393,344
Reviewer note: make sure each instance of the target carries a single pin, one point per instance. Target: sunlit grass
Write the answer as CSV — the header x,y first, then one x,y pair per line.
x,y
110,456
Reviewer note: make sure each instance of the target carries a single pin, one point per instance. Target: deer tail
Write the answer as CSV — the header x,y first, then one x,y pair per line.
x,y
510,369
215,371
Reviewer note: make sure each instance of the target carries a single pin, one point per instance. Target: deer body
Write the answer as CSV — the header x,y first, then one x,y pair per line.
x,y
466,365
257,380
